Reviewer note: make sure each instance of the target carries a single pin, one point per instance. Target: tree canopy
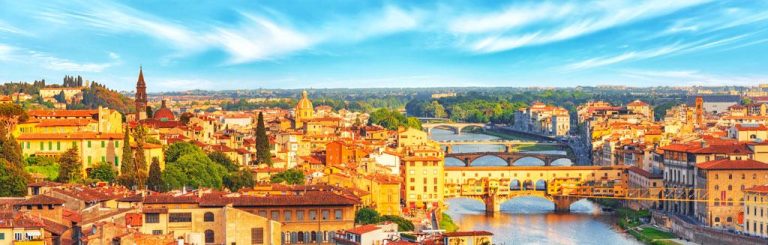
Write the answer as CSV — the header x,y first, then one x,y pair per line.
x,y
13,180
193,170
103,172
290,176
71,170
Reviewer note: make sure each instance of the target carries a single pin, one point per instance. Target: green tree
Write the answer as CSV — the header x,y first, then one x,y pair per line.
x,y
140,160
290,176
223,160
402,223
262,142
179,149
104,172
366,216
10,150
149,111
127,176
155,179
193,170
13,181
239,179
71,170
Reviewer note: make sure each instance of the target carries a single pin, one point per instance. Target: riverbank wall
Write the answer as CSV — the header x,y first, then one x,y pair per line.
x,y
702,235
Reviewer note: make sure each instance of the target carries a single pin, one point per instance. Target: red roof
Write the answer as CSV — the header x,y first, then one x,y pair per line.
x,y
363,229
728,164
64,122
80,135
751,127
758,188
62,113
644,173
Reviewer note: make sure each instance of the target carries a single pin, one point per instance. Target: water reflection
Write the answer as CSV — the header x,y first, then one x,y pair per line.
x,y
530,220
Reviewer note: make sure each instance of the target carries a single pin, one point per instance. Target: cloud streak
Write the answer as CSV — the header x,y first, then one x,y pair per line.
x,y
522,26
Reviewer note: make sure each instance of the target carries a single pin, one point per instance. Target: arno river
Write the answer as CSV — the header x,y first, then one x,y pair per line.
x,y
529,220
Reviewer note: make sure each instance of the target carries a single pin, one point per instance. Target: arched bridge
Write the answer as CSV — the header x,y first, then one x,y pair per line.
x,y
561,185
509,157
455,127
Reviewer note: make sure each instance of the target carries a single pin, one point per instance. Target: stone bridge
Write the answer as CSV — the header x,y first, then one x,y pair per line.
x,y
495,185
455,127
509,145
510,157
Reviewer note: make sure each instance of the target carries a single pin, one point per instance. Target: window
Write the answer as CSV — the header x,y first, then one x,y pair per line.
x,y
287,215
152,218
117,144
157,232
208,217
58,145
299,215
257,235
89,160
275,215
263,213
2,236
209,236
89,144
337,214
326,214
179,217
312,215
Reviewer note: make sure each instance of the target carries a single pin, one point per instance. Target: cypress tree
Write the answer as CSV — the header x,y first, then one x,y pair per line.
x,y
70,170
140,160
155,179
262,142
127,176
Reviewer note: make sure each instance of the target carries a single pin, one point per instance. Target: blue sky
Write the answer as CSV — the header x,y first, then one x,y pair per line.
x,y
301,44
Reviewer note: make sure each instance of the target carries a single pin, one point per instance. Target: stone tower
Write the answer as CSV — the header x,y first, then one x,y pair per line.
x,y
700,112
141,97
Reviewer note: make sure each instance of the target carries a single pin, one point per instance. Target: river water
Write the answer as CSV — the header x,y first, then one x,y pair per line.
x,y
529,220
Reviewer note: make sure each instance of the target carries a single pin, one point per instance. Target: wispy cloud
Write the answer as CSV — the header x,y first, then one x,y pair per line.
x,y
51,62
254,37
546,23
676,48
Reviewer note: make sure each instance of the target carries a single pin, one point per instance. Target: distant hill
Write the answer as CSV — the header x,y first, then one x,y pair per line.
x,y
99,95
94,94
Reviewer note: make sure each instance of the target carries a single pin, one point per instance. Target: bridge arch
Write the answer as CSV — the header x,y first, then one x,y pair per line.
x,y
563,161
528,161
454,129
541,185
489,161
470,126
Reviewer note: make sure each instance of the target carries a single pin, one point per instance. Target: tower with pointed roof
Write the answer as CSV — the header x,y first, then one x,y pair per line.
x,y
141,97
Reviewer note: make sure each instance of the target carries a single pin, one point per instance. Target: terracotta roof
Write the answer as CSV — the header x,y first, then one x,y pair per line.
x,y
41,200
309,198
75,136
727,164
64,122
62,113
758,188
169,198
468,233
363,229
751,127
644,173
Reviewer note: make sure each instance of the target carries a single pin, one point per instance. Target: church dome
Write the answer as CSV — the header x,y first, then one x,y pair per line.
x,y
164,114
304,103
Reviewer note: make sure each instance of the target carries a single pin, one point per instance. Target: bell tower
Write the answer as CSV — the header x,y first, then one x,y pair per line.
x,y
141,97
